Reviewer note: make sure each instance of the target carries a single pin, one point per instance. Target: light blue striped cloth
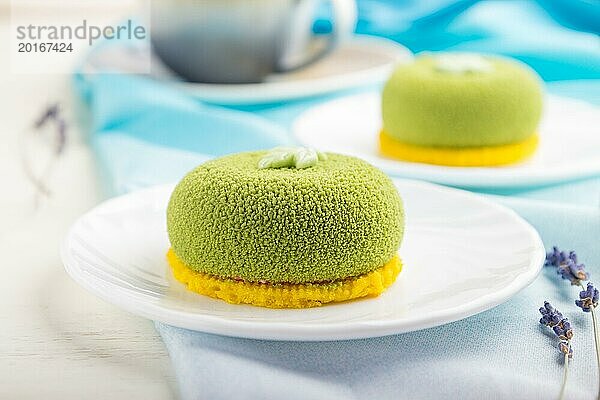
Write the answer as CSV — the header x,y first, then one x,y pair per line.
x,y
145,133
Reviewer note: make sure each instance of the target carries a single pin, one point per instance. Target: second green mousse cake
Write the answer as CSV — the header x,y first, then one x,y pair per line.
x,y
461,100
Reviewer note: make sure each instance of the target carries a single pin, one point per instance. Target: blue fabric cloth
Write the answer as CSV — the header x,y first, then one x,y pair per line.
x,y
145,132
520,29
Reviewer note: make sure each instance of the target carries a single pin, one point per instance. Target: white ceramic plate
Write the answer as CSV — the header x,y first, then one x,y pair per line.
x,y
361,61
569,146
462,254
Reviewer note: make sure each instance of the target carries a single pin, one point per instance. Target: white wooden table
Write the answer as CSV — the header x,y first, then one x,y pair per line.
x,y
56,340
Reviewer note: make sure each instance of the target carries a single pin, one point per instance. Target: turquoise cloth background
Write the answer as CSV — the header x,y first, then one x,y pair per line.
x,y
145,133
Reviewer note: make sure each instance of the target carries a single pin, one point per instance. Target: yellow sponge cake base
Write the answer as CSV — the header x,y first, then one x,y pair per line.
x,y
285,295
458,156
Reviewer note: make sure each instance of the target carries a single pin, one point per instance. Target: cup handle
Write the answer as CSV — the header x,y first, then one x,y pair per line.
x,y
302,50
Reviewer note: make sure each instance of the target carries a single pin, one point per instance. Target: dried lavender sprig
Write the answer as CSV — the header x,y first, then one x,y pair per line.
x,y
561,327
567,266
588,301
52,114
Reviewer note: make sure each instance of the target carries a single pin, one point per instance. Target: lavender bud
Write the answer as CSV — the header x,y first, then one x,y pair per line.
x,y
565,348
588,298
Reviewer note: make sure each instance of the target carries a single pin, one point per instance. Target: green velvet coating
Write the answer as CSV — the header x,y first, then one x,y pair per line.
x,y
424,106
340,218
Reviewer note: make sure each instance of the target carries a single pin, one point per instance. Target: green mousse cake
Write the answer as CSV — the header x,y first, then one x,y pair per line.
x,y
475,105
290,219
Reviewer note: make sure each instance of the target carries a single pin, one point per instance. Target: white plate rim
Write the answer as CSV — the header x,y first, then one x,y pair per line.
x,y
466,177
298,332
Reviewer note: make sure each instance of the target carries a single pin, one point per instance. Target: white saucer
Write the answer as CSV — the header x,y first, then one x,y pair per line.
x,y
462,254
358,62
361,61
569,143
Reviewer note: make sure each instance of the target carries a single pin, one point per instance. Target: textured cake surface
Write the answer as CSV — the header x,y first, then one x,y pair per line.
x,y
340,218
427,106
